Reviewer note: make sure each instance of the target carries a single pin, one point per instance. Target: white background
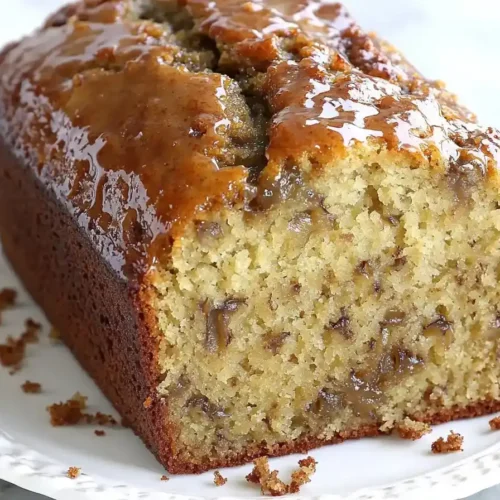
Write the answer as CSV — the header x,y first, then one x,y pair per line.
x,y
457,41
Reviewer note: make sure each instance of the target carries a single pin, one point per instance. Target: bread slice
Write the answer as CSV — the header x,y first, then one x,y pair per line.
x,y
258,228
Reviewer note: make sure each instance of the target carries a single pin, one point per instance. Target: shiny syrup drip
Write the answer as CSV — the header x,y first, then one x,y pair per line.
x,y
96,103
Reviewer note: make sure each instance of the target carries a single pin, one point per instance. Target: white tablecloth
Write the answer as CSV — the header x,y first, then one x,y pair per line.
x,y
451,40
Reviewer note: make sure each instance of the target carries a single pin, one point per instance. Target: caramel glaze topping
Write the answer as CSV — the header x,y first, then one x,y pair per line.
x,y
142,115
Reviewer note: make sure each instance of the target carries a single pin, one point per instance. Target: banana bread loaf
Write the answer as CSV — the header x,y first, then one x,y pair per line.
x,y
257,227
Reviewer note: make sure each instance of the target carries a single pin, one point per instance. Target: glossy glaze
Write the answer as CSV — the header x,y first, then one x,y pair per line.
x,y
136,135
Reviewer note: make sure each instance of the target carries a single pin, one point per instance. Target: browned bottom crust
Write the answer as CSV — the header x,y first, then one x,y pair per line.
x,y
443,415
307,443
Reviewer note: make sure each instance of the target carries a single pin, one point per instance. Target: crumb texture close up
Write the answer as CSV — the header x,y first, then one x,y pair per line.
x,y
294,233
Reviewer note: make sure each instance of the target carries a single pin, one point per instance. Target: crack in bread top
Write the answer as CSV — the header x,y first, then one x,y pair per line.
x,y
142,115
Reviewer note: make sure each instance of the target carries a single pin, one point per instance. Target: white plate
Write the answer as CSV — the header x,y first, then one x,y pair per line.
x,y
35,455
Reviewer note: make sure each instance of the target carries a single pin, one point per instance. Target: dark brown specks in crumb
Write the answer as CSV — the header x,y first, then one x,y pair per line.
x,y
164,478
342,325
303,474
219,480
274,341
208,230
218,334
73,472
495,424
31,387
441,325
453,443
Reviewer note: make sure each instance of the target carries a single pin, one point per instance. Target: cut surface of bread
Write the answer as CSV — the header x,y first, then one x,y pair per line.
x,y
255,217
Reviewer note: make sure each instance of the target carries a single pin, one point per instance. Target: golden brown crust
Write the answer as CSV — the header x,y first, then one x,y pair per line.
x,y
444,415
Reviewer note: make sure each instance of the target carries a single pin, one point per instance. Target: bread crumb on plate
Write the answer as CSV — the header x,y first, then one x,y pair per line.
x,y
31,387
71,413
219,480
271,484
13,351
303,474
495,424
453,443
73,472
7,299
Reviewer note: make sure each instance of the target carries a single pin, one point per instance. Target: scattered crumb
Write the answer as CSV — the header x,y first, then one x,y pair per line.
x,y
54,335
71,413
80,399
30,334
14,370
148,402
453,443
68,413
269,481
495,424
7,299
413,430
303,475
73,472
31,387
271,484
13,351
219,480
99,432
261,469
274,486
164,478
